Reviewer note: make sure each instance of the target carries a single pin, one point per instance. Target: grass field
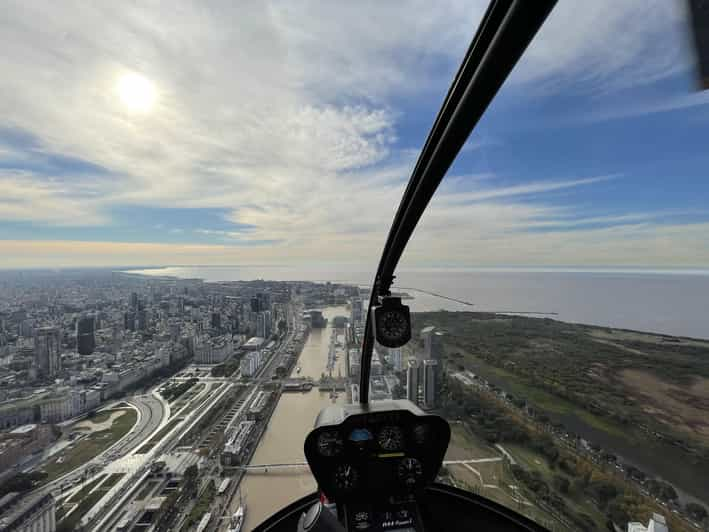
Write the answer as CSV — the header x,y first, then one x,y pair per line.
x,y
641,398
100,417
491,480
90,446
111,481
71,521
532,461
83,501
613,380
542,399
145,491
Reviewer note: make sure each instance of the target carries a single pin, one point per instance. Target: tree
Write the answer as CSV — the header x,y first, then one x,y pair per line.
x,y
603,491
561,484
696,511
661,490
618,513
21,482
190,482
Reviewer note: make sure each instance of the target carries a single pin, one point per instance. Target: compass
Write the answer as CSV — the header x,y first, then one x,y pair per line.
x,y
393,322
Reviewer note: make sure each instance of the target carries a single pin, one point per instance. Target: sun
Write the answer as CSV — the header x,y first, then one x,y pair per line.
x,y
136,92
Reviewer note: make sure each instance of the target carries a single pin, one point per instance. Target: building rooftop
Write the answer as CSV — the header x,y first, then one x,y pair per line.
x,y
253,343
24,429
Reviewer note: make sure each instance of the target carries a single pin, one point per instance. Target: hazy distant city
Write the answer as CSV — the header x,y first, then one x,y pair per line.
x,y
117,386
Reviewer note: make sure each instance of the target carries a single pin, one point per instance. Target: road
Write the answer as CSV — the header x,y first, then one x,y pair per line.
x,y
265,374
151,412
104,514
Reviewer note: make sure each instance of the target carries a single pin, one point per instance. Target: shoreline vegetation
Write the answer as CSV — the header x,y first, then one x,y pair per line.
x,y
605,425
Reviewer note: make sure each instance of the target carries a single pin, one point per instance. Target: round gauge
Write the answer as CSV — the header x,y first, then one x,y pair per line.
x,y
345,477
393,325
409,471
391,438
329,443
420,434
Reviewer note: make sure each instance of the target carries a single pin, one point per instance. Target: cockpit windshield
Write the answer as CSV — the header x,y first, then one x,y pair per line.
x,y
556,281
193,202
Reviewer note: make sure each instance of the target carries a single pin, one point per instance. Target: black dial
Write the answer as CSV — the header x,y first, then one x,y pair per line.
x,y
390,438
410,471
394,324
346,477
420,434
329,443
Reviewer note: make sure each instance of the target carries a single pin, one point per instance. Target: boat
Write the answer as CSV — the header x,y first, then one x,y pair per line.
x,y
236,523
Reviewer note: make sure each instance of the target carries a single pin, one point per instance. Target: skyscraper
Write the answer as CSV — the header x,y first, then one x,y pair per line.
x,y
142,320
430,368
134,301
264,299
47,343
129,321
412,381
395,358
356,315
85,340
432,345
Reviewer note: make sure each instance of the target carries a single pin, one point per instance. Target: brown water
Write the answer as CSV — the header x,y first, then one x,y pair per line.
x,y
293,418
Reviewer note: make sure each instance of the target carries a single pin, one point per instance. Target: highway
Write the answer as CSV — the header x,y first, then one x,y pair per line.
x,y
103,515
151,412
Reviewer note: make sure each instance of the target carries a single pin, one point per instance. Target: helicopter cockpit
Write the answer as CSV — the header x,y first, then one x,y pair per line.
x,y
376,463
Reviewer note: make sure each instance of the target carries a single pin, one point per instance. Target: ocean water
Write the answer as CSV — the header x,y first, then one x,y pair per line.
x,y
667,302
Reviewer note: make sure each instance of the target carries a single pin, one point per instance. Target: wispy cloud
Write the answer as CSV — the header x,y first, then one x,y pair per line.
x,y
521,190
287,120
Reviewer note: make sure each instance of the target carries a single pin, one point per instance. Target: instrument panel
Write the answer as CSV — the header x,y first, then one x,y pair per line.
x,y
384,449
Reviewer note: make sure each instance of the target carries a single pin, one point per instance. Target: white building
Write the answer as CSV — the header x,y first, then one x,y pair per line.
x,y
56,409
657,524
250,363
395,358
214,350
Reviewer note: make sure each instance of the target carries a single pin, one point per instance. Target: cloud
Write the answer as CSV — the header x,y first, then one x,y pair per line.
x,y
286,118
630,245
605,45
520,190
648,107
24,197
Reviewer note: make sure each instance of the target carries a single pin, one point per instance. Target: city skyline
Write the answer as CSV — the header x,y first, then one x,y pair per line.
x,y
262,135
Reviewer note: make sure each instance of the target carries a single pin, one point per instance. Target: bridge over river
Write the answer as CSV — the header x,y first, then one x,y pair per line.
x,y
293,465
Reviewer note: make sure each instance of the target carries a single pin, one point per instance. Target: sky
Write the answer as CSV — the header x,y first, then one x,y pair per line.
x,y
258,132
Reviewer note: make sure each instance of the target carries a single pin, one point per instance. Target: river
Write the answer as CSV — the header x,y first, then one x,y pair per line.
x,y
292,419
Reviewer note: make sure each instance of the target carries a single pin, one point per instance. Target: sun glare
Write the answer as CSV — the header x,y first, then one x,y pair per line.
x,y
136,92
